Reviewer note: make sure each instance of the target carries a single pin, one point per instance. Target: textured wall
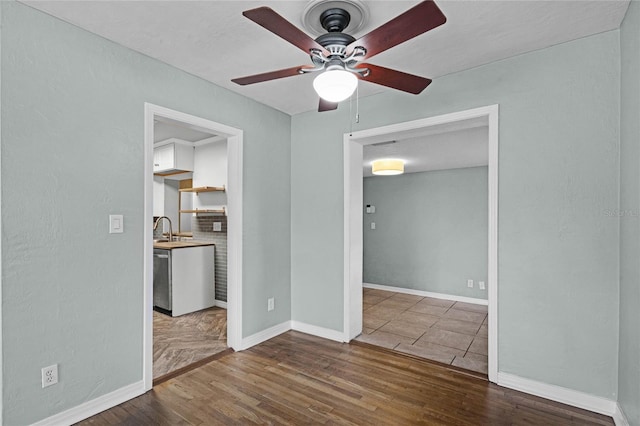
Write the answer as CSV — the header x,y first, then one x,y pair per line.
x,y
431,231
558,250
72,153
629,213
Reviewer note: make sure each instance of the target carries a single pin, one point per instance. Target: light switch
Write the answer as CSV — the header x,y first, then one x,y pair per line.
x,y
116,224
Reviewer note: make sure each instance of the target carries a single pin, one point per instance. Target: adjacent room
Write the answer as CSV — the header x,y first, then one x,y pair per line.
x,y
290,95
189,246
425,240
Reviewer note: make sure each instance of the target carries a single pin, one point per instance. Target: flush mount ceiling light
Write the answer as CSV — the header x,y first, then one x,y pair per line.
x,y
335,85
387,167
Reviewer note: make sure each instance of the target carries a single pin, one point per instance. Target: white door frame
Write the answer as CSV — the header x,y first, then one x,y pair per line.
x,y
353,204
234,229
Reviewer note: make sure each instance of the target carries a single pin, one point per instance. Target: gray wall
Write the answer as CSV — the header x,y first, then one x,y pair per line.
x,y
431,231
72,153
629,357
558,252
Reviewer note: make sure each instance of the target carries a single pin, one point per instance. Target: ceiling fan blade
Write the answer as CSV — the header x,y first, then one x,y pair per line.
x,y
269,19
395,79
325,105
418,20
272,75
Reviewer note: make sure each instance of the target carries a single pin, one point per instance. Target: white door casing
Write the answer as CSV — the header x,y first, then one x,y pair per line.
x,y
353,202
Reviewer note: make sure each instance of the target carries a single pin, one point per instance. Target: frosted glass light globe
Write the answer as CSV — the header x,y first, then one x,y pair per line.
x,y
335,85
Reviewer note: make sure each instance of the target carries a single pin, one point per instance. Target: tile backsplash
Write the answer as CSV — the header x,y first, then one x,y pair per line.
x,y
202,228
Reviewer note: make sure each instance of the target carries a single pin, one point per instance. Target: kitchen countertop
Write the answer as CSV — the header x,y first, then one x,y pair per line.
x,y
181,244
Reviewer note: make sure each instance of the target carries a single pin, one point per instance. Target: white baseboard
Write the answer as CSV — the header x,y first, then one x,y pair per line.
x,y
265,335
221,304
618,416
95,406
314,330
597,404
427,294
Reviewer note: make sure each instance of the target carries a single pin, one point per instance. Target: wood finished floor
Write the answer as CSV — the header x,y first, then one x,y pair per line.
x,y
300,379
184,340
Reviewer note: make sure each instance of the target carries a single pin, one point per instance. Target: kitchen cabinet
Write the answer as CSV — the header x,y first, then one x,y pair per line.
x,y
172,158
184,277
192,271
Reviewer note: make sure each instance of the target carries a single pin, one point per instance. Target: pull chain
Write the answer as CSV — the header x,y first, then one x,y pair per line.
x,y
350,112
358,103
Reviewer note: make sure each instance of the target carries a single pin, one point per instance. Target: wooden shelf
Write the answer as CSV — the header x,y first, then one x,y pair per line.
x,y
200,211
187,186
204,189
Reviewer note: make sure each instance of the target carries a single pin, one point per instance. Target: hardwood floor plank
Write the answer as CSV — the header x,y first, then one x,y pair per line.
x,y
298,379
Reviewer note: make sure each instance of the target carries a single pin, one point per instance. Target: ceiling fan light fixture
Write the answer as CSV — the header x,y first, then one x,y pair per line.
x,y
387,167
335,85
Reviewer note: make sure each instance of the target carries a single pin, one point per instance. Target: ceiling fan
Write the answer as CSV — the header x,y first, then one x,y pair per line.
x,y
337,56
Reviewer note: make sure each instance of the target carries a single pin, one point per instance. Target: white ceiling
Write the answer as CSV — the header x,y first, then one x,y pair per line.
x,y
212,40
166,128
451,149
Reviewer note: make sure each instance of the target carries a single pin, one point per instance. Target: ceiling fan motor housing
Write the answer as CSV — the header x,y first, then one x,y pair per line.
x,y
334,41
335,19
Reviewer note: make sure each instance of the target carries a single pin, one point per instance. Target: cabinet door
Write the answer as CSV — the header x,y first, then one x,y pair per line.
x,y
183,159
193,279
163,157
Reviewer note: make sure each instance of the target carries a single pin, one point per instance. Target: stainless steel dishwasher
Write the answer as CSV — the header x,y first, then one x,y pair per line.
x,y
162,280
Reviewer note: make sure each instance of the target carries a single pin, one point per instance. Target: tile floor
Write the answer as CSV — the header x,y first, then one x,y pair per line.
x,y
184,340
450,332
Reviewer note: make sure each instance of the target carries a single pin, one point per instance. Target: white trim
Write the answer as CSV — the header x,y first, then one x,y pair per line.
x,y
353,239
147,274
207,141
169,141
234,230
95,406
221,304
234,239
618,416
314,330
492,266
264,335
353,214
596,404
423,293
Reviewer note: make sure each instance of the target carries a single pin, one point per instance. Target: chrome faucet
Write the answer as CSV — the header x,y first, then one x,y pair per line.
x,y
155,226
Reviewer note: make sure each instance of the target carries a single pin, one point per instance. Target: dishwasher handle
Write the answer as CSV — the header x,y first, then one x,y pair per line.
x,y
161,256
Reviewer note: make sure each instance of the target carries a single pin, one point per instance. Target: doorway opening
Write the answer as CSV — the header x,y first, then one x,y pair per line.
x,y
353,218
192,239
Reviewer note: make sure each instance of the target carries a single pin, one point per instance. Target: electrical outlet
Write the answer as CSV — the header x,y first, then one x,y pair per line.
x,y
50,375
373,225
217,226
470,283
271,304
481,285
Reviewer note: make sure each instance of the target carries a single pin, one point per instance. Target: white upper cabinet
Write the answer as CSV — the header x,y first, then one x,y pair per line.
x,y
173,157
